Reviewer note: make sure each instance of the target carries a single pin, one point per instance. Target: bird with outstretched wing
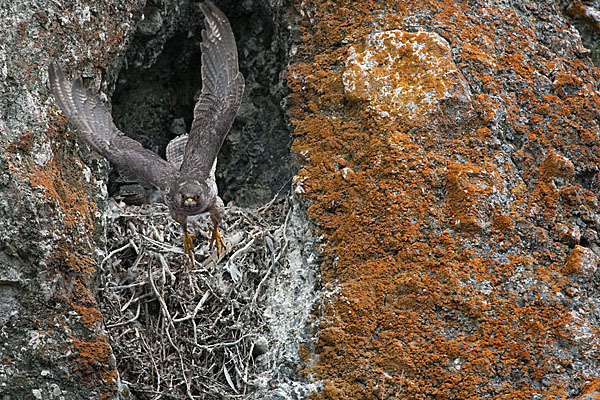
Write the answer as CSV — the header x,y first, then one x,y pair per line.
x,y
187,178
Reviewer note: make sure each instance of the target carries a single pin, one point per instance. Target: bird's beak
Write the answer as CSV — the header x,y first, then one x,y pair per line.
x,y
189,202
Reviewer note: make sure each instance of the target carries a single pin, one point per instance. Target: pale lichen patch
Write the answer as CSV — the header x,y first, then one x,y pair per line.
x,y
403,74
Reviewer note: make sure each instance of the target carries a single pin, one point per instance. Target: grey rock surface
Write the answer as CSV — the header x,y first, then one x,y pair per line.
x,y
51,202
290,298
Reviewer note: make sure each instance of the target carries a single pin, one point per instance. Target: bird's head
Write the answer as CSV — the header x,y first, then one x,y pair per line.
x,y
192,196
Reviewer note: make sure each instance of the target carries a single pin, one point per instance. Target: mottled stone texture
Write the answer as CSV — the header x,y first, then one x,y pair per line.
x,y
451,154
51,203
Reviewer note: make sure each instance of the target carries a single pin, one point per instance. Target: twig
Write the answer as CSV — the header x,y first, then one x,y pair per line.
x,y
112,253
196,309
137,314
276,260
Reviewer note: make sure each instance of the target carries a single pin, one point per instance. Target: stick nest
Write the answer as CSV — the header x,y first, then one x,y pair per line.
x,y
183,331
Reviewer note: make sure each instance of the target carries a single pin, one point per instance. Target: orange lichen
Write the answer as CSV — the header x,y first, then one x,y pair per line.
x,y
578,9
399,72
22,143
90,316
503,223
429,238
81,292
69,200
581,261
93,360
80,263
556,165
591,391
468,187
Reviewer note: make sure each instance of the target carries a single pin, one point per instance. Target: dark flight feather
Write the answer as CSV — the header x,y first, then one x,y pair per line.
x,y
221,96
95,126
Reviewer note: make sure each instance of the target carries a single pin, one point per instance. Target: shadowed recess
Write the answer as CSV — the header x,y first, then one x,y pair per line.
x,y
161,80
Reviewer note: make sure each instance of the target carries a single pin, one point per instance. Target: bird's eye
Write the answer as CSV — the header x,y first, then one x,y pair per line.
x,y
196,197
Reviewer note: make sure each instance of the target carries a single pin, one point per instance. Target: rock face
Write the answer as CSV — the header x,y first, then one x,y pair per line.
x,y
51,202
451,155
403,75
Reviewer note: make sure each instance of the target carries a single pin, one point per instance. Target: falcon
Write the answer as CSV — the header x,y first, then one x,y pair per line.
x,y
187,178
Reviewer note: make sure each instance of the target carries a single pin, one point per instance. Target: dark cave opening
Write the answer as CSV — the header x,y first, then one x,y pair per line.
x,y
156,91
147,103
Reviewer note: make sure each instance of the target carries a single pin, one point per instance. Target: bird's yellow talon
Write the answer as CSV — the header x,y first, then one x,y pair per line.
x,y
188,244
217,240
